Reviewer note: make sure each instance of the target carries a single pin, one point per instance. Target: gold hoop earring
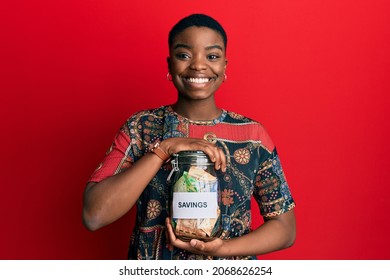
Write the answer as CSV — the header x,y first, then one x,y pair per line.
x,y
169,77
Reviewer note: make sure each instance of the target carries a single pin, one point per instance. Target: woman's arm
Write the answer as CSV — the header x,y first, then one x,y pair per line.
x,y
110,199
275,234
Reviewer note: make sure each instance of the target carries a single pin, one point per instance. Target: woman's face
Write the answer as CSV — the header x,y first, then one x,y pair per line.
x,y
197,62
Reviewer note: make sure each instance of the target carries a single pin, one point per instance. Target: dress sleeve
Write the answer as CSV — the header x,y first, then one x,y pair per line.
x,y
118,157
271,190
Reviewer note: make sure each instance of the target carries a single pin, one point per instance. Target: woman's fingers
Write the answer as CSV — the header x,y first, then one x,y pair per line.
x,y
217,156
173,241
215,153
168,234
223,160
197,244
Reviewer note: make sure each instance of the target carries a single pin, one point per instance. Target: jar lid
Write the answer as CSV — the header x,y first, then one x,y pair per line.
x,y
192,157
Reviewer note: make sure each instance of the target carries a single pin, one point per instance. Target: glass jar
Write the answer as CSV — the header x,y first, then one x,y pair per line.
x,y
195,197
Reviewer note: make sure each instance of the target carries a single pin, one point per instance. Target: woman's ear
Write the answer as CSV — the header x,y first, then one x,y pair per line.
x,y
226,63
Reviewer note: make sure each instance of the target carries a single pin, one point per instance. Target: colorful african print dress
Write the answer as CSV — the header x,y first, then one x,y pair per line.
x,y
253,169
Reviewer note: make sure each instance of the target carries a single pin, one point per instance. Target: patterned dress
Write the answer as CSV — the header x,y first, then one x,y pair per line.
x,y
253,169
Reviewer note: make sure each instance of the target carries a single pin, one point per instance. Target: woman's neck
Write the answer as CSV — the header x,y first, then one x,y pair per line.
x,y
197,110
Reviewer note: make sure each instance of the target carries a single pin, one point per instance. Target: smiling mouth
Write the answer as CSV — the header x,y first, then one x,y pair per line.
x,y
197,80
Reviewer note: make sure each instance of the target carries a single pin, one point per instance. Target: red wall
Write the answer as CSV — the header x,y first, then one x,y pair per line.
x,y
315,73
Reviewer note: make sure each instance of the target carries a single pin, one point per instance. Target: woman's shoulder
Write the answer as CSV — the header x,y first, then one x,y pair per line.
x,y
234,117
148,114
250,127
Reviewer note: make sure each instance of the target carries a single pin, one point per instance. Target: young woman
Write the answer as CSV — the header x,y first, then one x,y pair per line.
x,y
135,169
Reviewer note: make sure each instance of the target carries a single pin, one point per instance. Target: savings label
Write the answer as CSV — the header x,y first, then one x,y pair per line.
x,y
194,205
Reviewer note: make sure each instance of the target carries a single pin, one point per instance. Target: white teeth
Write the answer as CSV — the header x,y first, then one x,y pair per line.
x,y
198,80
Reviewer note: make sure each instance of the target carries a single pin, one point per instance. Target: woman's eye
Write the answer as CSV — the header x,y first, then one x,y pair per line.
x,y
213,57
182,56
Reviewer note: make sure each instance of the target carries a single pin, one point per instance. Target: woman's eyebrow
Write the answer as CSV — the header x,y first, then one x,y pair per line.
x,y
188,47
214,47
182,46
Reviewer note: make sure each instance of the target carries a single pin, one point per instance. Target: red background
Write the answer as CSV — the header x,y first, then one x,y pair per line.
x,y
315,73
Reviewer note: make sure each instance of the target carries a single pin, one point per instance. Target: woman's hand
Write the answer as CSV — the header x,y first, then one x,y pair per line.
x,y
211,248
274,234
174,145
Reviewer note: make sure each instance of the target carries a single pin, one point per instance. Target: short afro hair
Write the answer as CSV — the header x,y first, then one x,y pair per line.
x,y
199,20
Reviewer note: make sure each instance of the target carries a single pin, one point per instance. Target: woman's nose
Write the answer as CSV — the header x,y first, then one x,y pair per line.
x,y
198,63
